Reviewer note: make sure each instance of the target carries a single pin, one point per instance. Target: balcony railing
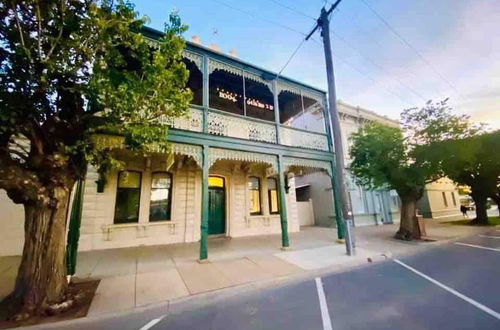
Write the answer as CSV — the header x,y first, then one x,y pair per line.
x,y
298,138
231,125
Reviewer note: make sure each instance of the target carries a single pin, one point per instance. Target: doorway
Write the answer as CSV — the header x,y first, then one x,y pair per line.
x,y
216,205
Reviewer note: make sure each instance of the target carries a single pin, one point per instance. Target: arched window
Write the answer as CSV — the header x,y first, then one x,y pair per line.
x,y
254,188
161,196
128,196
272,195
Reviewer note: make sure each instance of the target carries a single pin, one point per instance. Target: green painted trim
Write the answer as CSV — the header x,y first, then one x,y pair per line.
x,y
74,229
204,207
282,195
336,198
196,138
205,93
276,112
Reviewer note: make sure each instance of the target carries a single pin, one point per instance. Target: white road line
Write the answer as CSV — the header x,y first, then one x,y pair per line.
x,y
456,293
478,246
152,323
488,236
325,316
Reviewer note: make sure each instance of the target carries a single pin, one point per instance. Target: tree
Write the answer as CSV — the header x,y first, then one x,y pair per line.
x,y
471,161
70,69
391,157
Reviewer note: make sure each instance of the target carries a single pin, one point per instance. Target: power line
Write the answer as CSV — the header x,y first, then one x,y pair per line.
x,y
397,34
367,76
301,44
350,45
259,17
301,13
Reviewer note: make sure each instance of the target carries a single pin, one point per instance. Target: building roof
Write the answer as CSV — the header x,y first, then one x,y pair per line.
x,y
358,112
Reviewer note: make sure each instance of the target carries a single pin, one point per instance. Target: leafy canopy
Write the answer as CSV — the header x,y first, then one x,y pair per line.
x,y
471,161
73,68
384,156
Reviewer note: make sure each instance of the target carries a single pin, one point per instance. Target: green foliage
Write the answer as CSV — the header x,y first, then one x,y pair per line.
x,y
70,69
471,161
380,158
391,157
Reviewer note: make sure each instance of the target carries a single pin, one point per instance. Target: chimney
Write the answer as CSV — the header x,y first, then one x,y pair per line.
x,y
215,47
196,39
233,53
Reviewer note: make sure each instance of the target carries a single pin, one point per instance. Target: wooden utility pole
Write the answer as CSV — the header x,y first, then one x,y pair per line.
x,y
324,24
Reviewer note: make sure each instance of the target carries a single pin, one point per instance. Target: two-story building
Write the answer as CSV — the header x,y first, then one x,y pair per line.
x,y
232,173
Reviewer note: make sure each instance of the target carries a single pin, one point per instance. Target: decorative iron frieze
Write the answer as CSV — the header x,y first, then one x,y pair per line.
x,y
307,165
192,122
226,125
295,138
215,154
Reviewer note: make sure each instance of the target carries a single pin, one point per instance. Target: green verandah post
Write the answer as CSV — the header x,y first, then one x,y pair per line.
x,y
204,207
74,228
283,218
337,203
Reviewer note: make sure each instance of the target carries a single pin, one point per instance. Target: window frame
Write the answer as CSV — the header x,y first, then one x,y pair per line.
x,y
269,196
453,198
445,200
116,196
170,200
259,194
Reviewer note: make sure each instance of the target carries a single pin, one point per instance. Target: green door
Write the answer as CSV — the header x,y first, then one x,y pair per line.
x,y
216,210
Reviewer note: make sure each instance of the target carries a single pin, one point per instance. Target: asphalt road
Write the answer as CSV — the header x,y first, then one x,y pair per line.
x,y
453,286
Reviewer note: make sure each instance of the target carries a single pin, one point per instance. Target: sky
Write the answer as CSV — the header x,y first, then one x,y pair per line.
x,y
452,47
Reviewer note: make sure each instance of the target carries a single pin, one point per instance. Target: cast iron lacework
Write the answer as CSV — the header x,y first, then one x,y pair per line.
x,y
193,122
195,58
117,142
226,125
296,90
309,140
307,165
188,150
216,65
215,154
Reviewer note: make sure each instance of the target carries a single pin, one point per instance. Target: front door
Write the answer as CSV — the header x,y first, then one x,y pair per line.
x,y
216,206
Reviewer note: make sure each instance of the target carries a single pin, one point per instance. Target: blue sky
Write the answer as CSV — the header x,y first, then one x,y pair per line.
x,y
458,39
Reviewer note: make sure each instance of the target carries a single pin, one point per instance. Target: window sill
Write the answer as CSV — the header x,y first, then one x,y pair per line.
x,y
264,219
140,227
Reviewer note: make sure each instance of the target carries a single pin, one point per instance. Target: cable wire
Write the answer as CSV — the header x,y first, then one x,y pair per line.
x,y
259,17
402,39
301,13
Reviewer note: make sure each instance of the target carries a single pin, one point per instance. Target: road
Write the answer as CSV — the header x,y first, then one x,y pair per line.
x,y
452,286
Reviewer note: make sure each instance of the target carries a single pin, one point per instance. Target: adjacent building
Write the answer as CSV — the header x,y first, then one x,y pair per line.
x,y
370,207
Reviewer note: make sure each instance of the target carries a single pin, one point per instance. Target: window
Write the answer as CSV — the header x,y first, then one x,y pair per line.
x,y
453,198
161,196
254,187
314,119
445,201
259,100
226,91
195,81
128,195
272,195
291,109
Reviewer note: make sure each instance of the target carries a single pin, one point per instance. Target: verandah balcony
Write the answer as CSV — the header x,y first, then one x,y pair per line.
x,y
237,126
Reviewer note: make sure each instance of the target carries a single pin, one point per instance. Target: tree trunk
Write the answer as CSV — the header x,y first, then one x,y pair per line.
x,y
41,278
408,227
481,211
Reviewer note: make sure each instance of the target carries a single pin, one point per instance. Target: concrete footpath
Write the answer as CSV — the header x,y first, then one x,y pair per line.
x,y
140,276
